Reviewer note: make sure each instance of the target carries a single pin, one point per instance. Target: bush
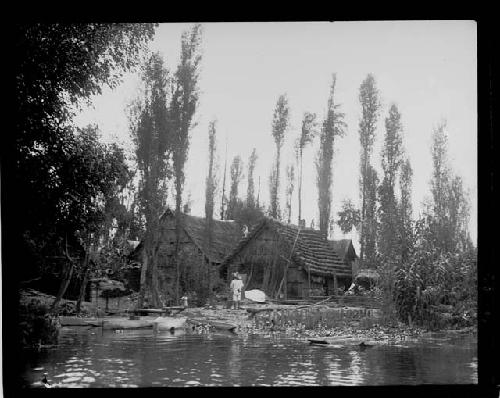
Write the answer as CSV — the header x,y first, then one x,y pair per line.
x,y
37,325
430,280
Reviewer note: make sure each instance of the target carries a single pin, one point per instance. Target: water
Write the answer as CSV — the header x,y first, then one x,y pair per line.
x,y
141,358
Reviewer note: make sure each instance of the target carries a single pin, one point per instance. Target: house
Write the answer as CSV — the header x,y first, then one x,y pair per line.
x,y
287,261
194,246
345,249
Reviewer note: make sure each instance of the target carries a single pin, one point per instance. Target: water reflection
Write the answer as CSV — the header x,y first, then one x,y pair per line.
x,y
143,358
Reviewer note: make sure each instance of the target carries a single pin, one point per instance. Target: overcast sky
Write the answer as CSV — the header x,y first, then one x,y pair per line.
x,y
427,68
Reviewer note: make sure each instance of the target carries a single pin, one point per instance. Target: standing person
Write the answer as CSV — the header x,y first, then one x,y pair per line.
x,y
236,286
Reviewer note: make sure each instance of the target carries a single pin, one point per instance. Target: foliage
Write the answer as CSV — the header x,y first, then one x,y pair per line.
x,y
274,207
290,186
185,97
405,208
432,282
333,126
211,180
307,134
449,207
152,138
236,172
349,217
370,106
37,325
251,184
279,127
65,176
370,225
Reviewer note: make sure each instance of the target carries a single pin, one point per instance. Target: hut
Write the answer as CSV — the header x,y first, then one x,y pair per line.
x,y
194,246
345,249
287,261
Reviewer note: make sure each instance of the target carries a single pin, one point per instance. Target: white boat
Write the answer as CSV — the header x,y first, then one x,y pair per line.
x,y
169,322
126,323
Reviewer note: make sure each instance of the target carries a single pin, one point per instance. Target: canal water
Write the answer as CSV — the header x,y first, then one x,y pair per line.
x,y
143,358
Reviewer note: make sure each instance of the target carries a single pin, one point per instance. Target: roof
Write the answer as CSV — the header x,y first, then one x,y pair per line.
x,y
311,249
225,235
341,247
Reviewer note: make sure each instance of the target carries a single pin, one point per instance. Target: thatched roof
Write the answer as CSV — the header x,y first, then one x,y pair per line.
x,y
312,250
225,235
342,247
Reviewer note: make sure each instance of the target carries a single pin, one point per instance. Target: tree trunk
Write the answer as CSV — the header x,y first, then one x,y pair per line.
x,y
143,287
178,202
64,285
83,286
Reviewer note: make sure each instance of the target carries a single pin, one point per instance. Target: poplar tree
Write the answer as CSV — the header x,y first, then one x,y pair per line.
x,y
370,105
251,184
392,154
210,182
236,172
333,126
307,134
405,208
279,127
450,205
151,135
290,186
185,96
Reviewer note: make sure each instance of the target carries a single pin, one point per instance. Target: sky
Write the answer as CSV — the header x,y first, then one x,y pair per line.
x,y
427,68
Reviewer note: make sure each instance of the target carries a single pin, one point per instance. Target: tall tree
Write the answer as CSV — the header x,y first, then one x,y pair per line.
x,y
152,137
236,173
279,127
370,106
251,184
450,207
333,126
371,223
223,195
307,134
392,154
211,181
185,96
290,186
405,208
56,66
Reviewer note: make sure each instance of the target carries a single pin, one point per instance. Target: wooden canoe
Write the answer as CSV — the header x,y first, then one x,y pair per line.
x,y
169,322
126,323
76,321
351,341
221,325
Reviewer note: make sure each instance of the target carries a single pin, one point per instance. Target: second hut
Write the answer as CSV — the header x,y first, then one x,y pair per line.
x,y
288,262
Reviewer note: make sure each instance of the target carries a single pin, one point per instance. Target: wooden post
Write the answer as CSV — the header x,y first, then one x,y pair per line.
x,y
335,284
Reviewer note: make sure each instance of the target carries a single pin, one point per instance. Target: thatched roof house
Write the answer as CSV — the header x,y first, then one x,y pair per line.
x,y
195,247
288,261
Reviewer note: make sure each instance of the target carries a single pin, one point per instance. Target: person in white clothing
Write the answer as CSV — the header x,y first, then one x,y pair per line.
x,y
236,286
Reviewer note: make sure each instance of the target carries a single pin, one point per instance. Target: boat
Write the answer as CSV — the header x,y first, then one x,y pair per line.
x,y
76,321
216,324
169,322
352,341
126,323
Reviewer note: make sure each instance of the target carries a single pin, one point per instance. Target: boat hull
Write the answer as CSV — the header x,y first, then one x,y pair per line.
x,y
125,323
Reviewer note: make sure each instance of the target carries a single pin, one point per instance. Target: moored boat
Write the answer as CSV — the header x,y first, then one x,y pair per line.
x,y
126,323
76,321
